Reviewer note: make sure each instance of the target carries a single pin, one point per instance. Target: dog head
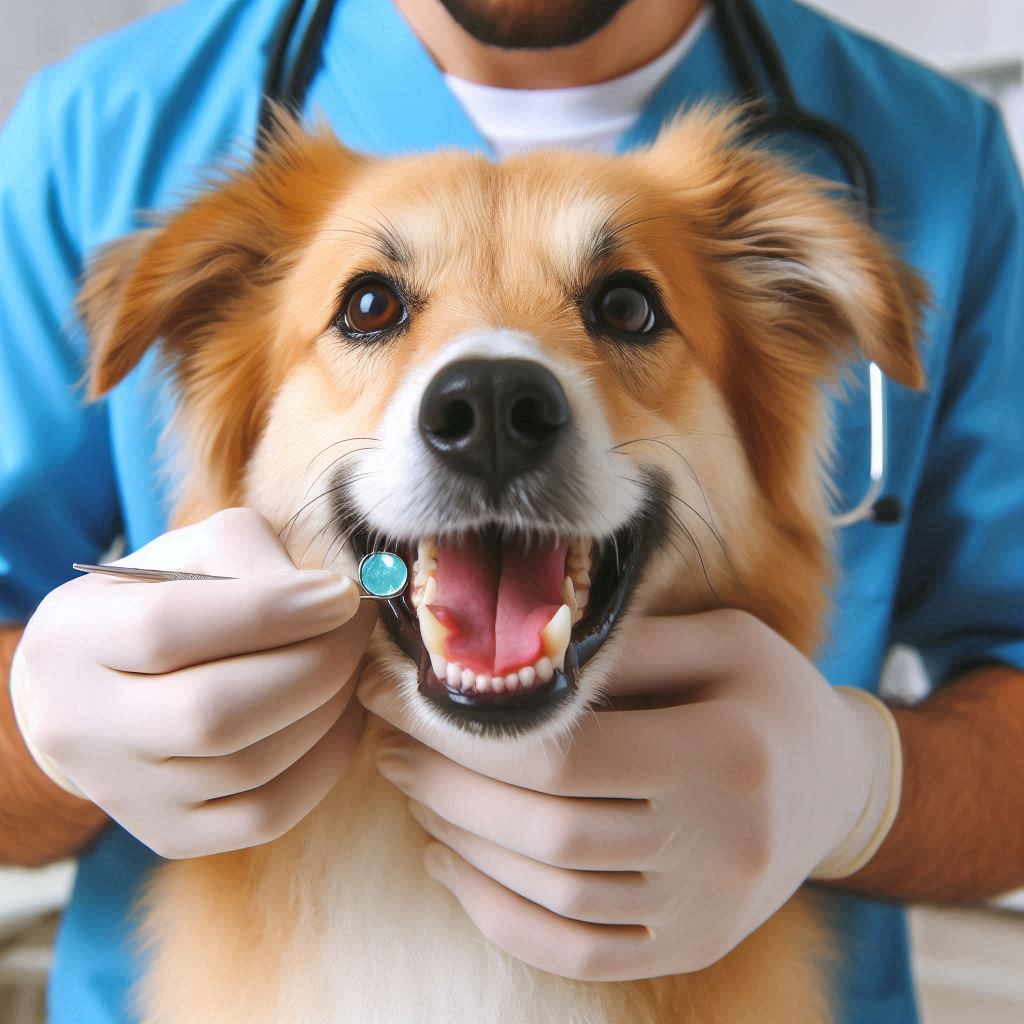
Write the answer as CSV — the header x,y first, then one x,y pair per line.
x,y
562,387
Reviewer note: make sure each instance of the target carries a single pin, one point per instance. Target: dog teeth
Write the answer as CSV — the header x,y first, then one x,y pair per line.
x,y
576,586
440,666
432,632
464,680
554,637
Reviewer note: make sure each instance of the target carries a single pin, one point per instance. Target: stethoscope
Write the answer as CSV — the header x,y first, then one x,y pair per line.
x,y
761,71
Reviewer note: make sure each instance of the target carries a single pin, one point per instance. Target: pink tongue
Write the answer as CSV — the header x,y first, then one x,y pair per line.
x,y
495,598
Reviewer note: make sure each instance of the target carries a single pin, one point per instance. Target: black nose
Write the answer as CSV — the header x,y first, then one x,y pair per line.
x,y
494,418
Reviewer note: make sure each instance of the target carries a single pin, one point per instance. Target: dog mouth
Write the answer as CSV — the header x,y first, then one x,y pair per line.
x,y
500,621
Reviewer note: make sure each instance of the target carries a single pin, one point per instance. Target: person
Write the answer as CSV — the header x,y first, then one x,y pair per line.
x,y
131,121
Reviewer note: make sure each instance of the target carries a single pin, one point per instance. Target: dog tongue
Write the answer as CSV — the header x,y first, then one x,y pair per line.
x,y
494,596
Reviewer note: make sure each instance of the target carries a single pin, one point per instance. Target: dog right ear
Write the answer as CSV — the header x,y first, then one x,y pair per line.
x,y
179,281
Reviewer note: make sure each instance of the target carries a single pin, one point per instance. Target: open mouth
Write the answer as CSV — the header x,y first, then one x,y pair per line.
x,y
500,621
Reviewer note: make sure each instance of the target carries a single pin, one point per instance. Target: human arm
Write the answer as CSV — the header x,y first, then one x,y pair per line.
x,y
39,821
959,835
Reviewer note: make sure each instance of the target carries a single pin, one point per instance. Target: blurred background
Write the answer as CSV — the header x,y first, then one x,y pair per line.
x,y
969,962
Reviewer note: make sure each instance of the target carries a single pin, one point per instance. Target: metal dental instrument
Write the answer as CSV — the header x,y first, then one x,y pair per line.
x,y
382,575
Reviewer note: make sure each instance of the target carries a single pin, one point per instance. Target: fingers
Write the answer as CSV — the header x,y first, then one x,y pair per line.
x,y
224,706
561,831
600,897
195,780
162,627
533,934
232,542
668,654
262,815
618,754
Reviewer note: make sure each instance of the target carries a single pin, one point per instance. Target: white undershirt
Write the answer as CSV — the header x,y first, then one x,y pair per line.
x,y
591,117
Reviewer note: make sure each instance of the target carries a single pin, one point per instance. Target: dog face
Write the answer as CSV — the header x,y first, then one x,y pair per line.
x,y
561,387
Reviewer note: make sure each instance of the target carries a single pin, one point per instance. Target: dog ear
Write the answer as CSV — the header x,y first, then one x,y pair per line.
x,y
788,254
175,282
202,284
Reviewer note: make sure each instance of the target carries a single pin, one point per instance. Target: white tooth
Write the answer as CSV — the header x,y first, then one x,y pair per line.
x,y
545,670
432,632
527,676
554,637
468,679
578,560
439,665
569,594
498,684
583,596
417,596
430,590
426,549
483,683
454,674
429,565
420,579
512,681
581,578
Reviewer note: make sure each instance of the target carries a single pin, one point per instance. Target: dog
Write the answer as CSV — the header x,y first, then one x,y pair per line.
x,y
609,375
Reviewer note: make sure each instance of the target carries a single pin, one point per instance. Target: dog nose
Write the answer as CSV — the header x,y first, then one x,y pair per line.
x,y
494,418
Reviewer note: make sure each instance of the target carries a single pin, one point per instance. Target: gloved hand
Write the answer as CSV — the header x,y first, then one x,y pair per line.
x,y
202,716
657,839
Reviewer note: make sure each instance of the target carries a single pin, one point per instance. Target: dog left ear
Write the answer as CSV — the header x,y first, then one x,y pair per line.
x,y
788,254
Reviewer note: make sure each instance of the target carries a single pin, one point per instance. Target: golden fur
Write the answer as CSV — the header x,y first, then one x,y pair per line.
x,y
772,283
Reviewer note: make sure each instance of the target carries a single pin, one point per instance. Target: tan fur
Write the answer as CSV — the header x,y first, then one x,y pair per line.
x,y
771,283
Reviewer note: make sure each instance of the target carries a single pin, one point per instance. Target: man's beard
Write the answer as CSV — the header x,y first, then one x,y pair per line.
x,y
532,24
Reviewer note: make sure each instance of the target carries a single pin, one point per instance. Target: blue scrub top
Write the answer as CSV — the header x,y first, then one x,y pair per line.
x,y
126,125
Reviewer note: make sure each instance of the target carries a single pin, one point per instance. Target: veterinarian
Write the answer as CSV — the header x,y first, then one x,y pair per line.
x,y
127,124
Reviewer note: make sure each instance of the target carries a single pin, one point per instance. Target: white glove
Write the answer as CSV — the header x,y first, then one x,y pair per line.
x,y
657,839
202,716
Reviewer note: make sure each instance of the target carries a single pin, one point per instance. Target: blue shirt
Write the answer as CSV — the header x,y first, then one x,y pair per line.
x,y
128,123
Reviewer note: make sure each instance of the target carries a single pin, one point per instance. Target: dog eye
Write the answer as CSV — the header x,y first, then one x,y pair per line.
x,y
369,308
624,307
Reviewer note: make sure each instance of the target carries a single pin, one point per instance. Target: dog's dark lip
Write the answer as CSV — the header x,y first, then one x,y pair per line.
x,y
619,562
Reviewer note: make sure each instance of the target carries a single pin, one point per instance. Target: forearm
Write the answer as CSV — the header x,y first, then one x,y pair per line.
x,y
39,822
959,834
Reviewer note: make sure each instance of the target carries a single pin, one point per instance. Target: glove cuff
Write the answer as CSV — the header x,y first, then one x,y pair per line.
x,y
19,685
883,800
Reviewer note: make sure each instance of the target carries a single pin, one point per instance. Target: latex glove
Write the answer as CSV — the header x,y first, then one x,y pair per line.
x,y
660,838
202,716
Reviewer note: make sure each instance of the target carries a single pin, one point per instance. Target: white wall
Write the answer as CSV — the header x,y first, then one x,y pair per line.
x,y
942,31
